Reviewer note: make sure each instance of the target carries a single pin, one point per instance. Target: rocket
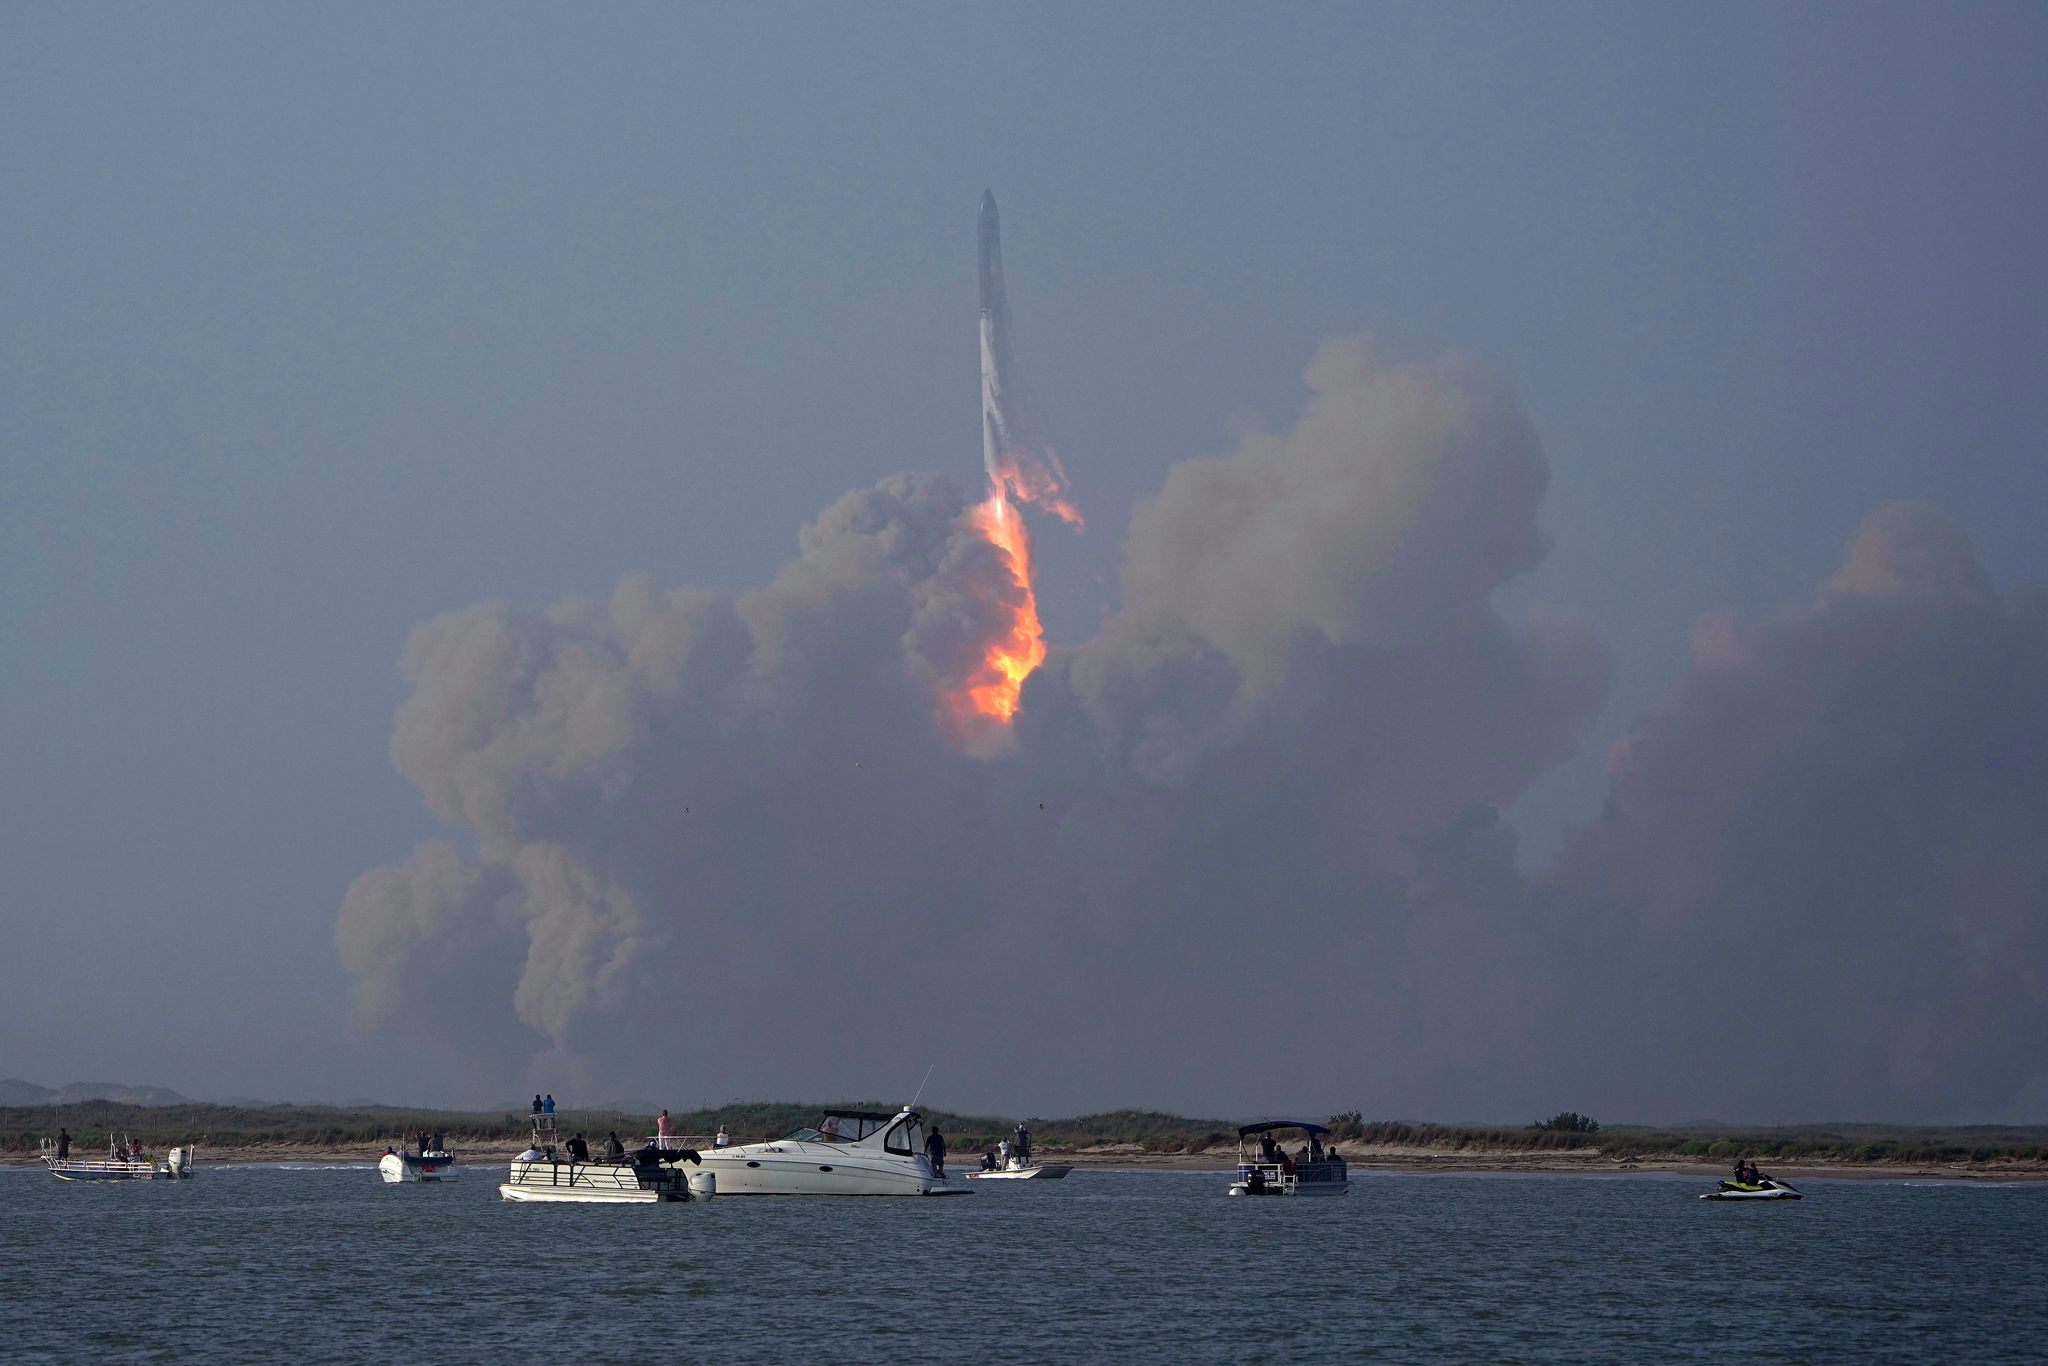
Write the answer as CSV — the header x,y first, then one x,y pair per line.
x,y
995,342
1021,465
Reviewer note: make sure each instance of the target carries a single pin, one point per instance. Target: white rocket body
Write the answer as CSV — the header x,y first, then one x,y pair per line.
x,y
996,434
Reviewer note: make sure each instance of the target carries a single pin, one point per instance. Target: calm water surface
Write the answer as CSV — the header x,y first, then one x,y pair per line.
x,y
330,1264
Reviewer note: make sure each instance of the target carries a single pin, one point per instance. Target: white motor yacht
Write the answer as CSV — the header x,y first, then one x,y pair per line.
x,y
547,1174
850,1152
1264,1166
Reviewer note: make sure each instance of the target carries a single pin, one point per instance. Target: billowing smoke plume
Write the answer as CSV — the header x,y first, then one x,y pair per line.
x,y
1243,846
1820,887
740,820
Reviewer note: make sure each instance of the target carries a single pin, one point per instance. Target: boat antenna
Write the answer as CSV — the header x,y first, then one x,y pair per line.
x,y
920,1086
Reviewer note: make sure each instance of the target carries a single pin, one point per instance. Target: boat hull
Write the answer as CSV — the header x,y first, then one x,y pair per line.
x,y
1304,1188
403,1167
1050,1171
66,1169
1309,1178
791,1168
1774,1191
604,1183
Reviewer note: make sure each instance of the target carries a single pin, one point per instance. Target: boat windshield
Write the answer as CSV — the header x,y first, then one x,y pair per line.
x,y
841,1126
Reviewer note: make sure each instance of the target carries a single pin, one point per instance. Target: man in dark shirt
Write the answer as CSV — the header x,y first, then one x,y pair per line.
x,y
935,1149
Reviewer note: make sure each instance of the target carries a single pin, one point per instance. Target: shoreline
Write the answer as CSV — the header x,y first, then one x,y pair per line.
x,y
1129,1157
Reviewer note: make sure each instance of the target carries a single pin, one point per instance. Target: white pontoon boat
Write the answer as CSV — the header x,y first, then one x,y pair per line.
x,y
1265,1167
545,1173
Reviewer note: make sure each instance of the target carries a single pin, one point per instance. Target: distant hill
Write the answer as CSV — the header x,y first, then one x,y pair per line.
x,y
14,1091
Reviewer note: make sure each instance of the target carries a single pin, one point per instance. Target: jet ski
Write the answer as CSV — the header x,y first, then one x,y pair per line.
x,y
1763,1188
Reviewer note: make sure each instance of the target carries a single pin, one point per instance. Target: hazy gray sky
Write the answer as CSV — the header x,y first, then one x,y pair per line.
x,y
318,326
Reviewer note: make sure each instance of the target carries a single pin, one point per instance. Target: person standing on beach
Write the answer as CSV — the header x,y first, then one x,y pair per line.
x,y
664,1130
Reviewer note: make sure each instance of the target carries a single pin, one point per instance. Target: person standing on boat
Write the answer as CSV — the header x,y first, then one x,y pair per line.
x,y
935,1149
664,1130
1023,1146
63,1143
1004,1149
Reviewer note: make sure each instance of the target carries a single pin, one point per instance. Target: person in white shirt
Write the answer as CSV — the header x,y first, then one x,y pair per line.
x,y
722,1138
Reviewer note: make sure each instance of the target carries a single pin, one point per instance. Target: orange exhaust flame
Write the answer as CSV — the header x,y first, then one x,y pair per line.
x,y
981,708
987,697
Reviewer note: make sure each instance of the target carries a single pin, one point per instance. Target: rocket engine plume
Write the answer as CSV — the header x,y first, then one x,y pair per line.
x,y
1019,468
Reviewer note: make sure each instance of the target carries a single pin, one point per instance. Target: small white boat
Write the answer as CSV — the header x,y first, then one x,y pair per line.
x,y
1018,1170
1763,1188
125,1161
546,1174
435,1164
1266,1168
850,1152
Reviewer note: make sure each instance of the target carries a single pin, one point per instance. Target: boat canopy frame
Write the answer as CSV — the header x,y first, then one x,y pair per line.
x,y
1268,1125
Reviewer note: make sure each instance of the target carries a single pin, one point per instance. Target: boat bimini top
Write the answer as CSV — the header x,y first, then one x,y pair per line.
x,y
1266,1126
